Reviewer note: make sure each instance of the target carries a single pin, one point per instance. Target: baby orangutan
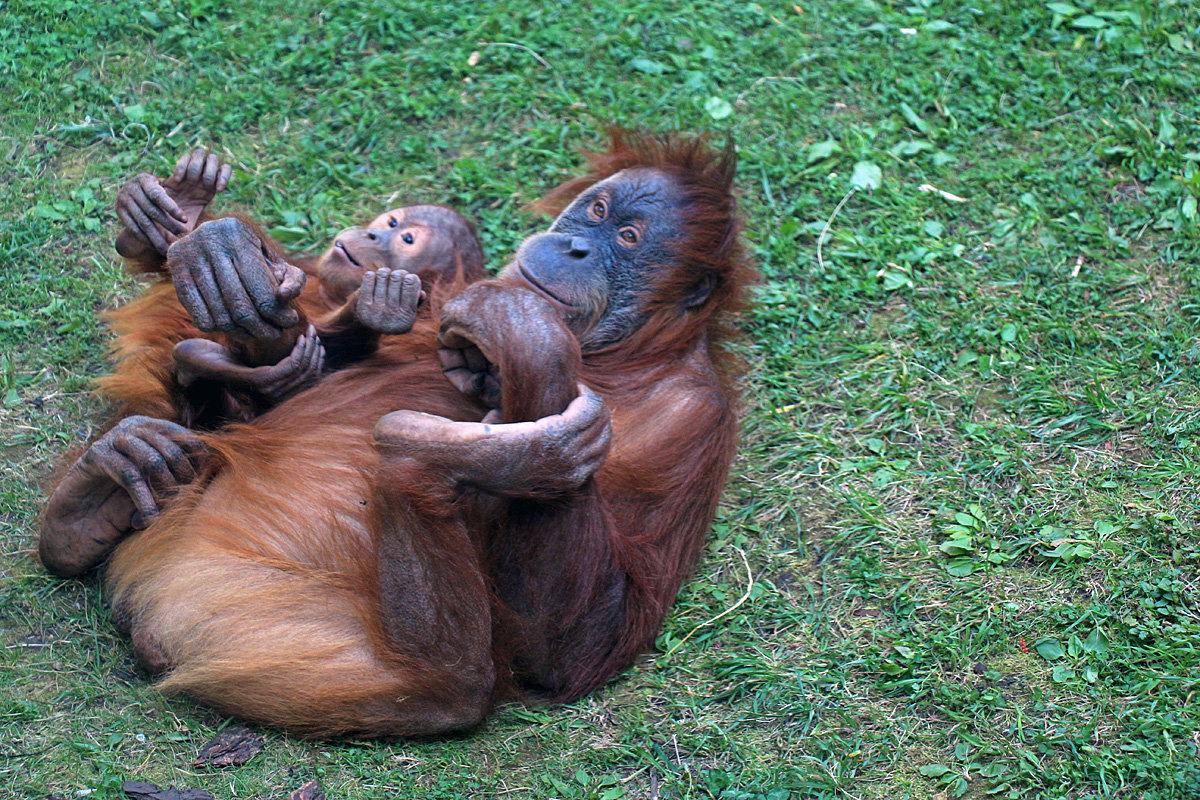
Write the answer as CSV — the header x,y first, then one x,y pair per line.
x,y
370,278
371,281
178,373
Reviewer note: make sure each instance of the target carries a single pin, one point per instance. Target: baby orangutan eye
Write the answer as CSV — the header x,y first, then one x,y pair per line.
x,y
406,237
392,222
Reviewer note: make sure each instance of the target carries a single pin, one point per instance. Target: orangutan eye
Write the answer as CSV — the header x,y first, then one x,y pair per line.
x,y
392,222
406,237
598,210
629,236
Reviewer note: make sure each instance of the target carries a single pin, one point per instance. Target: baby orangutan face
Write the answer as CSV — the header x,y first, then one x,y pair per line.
x,y
430,241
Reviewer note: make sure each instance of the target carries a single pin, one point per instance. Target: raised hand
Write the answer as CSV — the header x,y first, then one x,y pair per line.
x,y
199,176
228,279
157,212
388,300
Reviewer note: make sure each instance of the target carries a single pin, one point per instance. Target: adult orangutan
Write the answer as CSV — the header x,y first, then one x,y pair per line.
x,y
371,557
222,363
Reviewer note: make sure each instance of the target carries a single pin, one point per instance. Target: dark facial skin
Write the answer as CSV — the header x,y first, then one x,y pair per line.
x,y
415,239
599,258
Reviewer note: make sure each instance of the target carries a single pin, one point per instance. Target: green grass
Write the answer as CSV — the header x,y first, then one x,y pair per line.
x,y
971,424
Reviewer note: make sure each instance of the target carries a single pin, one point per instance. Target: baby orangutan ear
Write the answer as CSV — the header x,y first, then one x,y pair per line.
x,y
701,291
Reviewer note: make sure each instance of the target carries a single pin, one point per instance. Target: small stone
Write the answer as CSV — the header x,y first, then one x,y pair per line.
x,y
309,791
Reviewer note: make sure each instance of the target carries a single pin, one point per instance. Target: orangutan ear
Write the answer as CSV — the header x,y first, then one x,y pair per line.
x,y
700,292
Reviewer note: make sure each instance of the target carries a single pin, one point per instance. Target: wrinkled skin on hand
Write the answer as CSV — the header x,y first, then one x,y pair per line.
x,y
228,279
388,300
488,335
197,359
158,212
547,457
119,484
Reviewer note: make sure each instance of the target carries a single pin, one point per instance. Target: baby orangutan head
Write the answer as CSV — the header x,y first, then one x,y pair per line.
x,y
431,241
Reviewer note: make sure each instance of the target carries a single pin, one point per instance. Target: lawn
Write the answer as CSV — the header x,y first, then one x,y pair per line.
x,y
957,556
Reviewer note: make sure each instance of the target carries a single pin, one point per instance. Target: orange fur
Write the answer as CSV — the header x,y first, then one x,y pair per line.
x,y
261,588
147,330
274,556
